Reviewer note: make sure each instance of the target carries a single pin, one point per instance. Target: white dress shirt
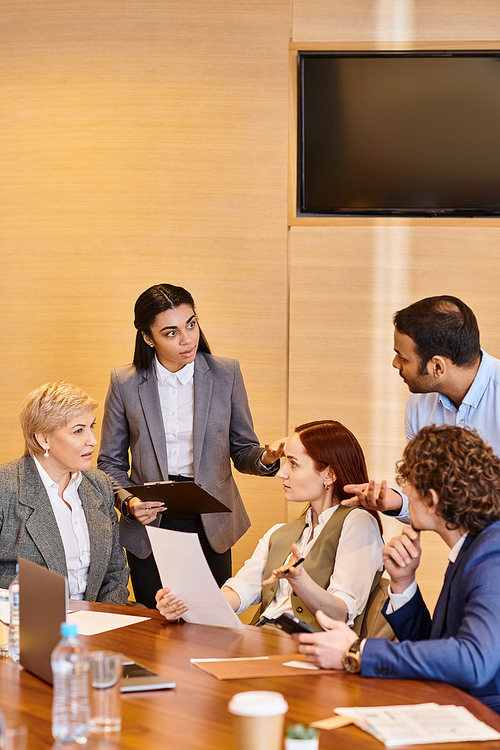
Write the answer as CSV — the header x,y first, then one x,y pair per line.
x,y
73,529
176,391
359,557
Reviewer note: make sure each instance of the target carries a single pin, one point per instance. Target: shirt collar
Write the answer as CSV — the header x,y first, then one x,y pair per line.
x,y
184,375
478,386
480,382
455,550
323,517
76,477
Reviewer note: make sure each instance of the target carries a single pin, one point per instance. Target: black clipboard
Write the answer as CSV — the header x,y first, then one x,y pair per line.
x,y
180,498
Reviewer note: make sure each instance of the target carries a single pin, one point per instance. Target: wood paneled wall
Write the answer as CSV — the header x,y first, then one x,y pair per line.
x,y
348,276
395,21
143,142
147,142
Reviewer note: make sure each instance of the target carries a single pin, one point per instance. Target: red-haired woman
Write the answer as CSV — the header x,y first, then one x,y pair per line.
x,y
341,547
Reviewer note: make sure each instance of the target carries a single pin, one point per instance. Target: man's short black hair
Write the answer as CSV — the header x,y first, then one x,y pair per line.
x,y
442,326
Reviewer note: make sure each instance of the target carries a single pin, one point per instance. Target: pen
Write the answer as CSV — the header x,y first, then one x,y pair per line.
x,y
294,565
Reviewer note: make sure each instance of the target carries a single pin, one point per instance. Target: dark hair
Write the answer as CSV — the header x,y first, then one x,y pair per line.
x,y
331,444
463,471
441,325
149,305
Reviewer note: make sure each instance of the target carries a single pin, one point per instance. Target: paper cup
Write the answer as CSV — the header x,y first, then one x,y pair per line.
x,y
259,718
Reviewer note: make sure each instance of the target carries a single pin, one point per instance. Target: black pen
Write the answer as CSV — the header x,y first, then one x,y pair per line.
x,y
294,565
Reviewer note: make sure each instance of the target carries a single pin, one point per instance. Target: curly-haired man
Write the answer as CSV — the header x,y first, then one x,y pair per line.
x,y
452,479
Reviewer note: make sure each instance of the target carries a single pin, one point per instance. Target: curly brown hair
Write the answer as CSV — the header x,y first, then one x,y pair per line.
x,y
463,471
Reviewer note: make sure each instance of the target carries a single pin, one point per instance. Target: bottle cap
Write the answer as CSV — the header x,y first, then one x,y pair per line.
x,y
69,629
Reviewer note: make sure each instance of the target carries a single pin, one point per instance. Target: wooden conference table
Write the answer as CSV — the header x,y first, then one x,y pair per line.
x,y
194,716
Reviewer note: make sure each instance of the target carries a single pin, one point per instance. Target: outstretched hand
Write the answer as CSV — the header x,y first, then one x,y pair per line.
x,y
326,649
372,496
273,451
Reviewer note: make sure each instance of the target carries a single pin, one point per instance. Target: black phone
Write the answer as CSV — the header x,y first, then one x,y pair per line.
x,y
291,624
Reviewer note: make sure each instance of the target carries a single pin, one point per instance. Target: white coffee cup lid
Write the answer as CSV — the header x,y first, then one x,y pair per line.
x,y
258,703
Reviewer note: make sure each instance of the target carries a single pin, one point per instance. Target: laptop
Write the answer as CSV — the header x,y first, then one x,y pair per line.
x,y
43,603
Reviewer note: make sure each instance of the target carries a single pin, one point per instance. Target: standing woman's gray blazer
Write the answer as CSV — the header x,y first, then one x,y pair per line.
x,y
28,528
222,430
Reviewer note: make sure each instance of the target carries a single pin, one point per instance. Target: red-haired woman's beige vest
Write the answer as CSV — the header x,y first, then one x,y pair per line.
x,y
319,562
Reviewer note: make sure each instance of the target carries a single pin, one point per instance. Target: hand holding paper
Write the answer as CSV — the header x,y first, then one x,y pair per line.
x,y
184,570
169,605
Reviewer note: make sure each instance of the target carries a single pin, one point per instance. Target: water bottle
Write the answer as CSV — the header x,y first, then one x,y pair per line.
x,y
70,704
14,618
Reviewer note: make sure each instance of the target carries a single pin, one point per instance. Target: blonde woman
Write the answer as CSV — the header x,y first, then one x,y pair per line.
x,y
55,509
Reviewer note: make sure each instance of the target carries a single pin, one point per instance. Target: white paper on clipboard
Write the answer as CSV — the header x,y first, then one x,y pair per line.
x,y
184,569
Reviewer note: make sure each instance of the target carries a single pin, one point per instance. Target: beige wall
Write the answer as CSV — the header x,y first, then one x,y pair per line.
x,y
348,276
147,142
143,142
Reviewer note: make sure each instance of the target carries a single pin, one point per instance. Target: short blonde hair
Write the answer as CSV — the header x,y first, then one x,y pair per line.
x,y
50,407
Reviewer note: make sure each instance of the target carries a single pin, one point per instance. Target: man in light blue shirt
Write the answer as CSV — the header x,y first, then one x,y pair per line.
x,y
451,381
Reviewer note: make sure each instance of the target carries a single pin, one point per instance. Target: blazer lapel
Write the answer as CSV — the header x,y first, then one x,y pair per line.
x,y
203,386
99,540
439,617
150,402
41,524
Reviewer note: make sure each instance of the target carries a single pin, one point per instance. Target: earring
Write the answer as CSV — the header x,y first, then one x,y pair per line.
x,y
46,454
326,486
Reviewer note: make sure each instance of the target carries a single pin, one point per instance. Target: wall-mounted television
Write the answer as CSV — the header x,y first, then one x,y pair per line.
x,y
399,133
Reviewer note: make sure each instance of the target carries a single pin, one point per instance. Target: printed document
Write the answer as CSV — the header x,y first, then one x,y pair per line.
x,y
184,569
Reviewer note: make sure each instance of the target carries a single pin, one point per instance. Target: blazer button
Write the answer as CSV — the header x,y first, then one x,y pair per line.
x,y
300,609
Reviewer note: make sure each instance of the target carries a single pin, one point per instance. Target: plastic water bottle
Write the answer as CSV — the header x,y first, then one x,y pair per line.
x,y
70,704
14,618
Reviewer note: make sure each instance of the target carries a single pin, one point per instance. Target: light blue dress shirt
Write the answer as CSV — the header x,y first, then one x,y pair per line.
x,y
480,409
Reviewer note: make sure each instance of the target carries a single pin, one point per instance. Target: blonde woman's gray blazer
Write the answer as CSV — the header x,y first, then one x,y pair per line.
x,y
28,528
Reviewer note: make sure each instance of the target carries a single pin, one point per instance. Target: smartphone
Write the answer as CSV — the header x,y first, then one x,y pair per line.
x,y
136,677
291,624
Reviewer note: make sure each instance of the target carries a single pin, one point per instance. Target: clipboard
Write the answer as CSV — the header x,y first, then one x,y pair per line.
x,y
180,498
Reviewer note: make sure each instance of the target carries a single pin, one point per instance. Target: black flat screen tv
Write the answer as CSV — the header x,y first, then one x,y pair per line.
x,y
399,133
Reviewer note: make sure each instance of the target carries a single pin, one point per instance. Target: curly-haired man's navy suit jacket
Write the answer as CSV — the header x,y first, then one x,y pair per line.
x,y
461,644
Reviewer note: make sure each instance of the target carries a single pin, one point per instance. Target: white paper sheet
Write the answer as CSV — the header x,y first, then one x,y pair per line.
x,y
4,607
184,569
91,623
419,724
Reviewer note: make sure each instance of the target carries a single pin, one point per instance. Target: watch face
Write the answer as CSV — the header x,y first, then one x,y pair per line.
x,y
352,662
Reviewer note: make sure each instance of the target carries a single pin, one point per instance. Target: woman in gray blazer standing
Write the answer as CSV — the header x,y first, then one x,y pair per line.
x,y
178,413
55,509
